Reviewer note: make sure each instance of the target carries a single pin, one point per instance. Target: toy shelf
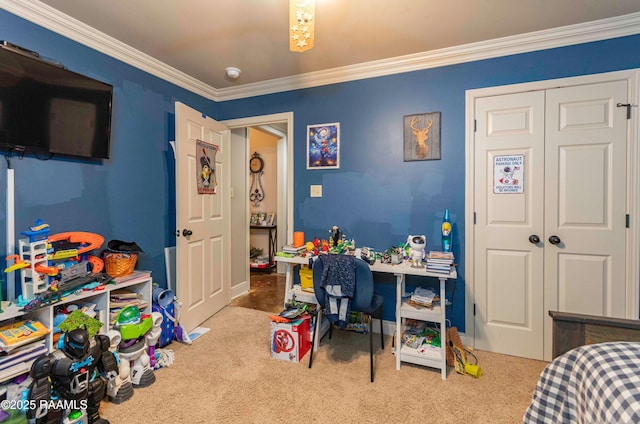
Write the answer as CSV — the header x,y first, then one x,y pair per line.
x,y
139,282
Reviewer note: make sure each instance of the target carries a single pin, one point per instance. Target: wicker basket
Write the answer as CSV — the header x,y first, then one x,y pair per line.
x,y
118,264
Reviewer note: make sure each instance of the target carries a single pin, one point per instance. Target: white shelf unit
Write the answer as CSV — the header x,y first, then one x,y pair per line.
x,y
437,357
139,282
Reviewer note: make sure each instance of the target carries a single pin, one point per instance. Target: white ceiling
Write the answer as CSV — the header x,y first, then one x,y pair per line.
x,y
200,38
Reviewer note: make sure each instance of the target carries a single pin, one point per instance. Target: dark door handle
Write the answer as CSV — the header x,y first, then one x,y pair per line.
x,y
534,239
186,232
554,240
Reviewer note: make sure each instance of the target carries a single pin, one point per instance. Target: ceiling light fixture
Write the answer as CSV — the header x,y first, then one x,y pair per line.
x,y
301,24
232,72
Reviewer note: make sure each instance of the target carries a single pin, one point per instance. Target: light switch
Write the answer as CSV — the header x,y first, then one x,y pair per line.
x,y
316,191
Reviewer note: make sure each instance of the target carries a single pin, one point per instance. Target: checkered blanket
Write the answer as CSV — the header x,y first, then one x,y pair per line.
x,y
591,384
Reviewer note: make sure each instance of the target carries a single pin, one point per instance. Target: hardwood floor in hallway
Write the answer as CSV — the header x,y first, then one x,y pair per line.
x,y
266,293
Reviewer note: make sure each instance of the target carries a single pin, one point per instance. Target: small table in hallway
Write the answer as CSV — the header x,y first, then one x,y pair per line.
x,y
273,235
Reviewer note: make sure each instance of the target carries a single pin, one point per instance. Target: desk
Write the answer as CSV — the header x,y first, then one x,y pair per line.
x,y
272,243
436,359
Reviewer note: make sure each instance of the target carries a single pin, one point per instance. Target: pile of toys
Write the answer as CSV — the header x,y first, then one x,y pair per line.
x,y
54,265
86,367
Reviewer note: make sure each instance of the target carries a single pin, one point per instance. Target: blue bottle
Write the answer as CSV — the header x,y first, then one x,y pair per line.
x,y
446,232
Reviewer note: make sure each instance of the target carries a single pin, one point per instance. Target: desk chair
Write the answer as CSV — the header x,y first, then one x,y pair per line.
x,y
364,300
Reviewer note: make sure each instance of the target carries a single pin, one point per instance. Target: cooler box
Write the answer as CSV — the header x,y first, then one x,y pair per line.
x,y
290,341
167,333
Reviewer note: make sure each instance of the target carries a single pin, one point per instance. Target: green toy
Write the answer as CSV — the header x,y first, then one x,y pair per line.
x,y
78,319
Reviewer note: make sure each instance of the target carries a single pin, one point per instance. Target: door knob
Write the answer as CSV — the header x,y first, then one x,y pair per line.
x,y
186,232
534,239
554,240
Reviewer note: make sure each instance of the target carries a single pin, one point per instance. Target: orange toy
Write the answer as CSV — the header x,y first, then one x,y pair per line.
x,y
94,240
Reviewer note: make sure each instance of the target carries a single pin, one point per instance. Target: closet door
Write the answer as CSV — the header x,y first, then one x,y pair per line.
x,y
509,208
556,239
585,200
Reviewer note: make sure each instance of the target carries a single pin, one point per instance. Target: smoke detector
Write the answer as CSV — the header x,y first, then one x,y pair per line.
x,y
232,72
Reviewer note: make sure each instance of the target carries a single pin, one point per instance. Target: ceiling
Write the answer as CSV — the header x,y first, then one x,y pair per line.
x,y
201,38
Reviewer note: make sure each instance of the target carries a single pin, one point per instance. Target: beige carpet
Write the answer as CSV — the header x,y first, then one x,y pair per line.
x,y
228,376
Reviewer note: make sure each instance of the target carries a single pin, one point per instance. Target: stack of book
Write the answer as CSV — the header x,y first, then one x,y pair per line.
x,y
120,299
440,262
424,297
289,248
20,343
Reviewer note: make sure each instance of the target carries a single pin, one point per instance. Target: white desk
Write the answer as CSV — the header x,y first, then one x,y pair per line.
x,y
437,314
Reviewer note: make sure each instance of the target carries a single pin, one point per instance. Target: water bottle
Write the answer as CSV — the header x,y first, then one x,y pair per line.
x,y
446,232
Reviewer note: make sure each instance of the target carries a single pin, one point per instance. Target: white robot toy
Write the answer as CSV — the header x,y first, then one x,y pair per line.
x,y
418,245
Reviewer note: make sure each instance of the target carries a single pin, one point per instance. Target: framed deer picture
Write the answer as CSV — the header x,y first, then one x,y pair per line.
x,y
421,136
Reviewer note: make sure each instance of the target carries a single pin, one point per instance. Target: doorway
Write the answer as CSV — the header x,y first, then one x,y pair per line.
x,y
558,233
282,125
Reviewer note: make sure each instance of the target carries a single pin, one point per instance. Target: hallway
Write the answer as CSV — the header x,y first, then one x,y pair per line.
x,y
266,293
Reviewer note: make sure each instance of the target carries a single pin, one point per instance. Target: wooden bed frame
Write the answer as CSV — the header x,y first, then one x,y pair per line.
x,y
573,330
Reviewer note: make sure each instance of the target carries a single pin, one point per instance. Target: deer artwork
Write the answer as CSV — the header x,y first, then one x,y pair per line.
x,y
422,135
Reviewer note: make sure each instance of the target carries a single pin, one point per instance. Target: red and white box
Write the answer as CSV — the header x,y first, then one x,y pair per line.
x,y
290,341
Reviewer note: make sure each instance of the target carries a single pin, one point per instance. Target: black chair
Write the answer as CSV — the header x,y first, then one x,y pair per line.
x,y
364,300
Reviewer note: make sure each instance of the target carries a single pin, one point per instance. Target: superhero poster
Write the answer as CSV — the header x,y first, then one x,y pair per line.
x,y
206,169
323,146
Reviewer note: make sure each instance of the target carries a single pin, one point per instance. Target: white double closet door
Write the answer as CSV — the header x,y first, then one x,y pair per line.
x,y
550,203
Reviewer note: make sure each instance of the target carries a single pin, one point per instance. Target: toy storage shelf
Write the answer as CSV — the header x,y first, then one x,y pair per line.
x,y
139,282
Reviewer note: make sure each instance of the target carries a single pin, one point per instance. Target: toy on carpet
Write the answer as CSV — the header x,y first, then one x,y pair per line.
x,y
69,383
133,348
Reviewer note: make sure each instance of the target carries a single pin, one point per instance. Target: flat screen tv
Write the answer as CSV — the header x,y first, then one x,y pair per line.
x,y
45,109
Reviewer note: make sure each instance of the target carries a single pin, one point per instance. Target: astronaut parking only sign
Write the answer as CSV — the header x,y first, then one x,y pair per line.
x,y
508,173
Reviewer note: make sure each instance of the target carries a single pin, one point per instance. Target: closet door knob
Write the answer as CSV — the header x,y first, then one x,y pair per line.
x,y
186,232
534,239
554,240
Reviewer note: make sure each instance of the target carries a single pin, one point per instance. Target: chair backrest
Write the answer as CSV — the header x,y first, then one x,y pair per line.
x,y
363,295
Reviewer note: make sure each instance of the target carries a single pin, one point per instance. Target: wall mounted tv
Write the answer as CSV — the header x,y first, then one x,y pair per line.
x,y
46,109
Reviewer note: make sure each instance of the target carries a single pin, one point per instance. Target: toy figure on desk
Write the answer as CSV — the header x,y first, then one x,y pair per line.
x,y
336,236
418,245
66,387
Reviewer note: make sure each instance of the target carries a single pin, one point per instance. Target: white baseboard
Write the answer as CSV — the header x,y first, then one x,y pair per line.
x,y
240,289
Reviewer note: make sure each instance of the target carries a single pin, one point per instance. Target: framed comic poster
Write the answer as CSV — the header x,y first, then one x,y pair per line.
x,y
421,139
206,169
323,146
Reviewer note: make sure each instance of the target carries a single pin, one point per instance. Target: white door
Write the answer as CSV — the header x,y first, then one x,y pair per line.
x,y
572,198
202,220
508,272
585,201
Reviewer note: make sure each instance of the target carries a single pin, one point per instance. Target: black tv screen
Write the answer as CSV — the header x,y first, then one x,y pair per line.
x,y
47,109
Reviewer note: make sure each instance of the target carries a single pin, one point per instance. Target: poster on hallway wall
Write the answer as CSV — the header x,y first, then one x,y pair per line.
x,y
206,160
508,173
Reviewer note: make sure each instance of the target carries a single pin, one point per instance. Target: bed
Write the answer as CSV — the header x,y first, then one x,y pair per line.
x,y
595,374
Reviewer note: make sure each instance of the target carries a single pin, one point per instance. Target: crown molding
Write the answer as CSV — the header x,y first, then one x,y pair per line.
x,y
52,19
47,17
540,40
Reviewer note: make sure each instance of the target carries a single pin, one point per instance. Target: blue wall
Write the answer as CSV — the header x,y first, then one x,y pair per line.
x,y
128,197
375,197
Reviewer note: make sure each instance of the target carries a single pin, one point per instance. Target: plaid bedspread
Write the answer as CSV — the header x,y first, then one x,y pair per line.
x,y
591,384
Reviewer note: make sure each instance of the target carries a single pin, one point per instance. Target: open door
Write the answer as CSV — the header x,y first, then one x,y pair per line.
x,y
202,217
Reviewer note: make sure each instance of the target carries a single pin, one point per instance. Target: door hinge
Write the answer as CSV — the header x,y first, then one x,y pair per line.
x,y
628,106
474,218
475,125
626,221
474,309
